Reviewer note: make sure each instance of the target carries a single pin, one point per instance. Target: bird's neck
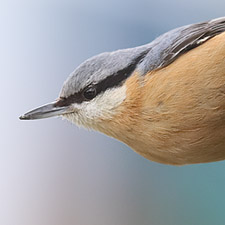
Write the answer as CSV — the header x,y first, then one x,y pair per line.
x,y
126,118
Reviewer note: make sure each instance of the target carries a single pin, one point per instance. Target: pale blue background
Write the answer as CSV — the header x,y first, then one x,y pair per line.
x,y
52,173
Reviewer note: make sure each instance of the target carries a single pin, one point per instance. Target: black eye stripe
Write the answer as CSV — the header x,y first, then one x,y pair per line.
x,y
111,81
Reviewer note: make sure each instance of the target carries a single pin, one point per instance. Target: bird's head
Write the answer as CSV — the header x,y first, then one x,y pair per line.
x,y
95,90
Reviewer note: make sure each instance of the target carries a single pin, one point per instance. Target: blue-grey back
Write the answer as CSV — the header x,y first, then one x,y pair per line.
x,y
158,53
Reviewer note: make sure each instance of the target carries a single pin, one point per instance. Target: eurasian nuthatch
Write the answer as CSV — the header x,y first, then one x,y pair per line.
x,y
165,99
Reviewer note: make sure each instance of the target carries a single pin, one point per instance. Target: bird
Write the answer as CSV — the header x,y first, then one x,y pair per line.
x,y
164,99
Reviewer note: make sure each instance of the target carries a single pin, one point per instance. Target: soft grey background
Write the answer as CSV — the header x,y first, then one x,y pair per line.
x,y
52,173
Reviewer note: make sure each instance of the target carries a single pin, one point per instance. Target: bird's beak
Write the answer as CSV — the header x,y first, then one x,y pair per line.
x,y
45,111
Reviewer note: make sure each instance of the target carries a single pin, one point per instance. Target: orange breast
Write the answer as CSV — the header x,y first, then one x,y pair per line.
x,y
176,115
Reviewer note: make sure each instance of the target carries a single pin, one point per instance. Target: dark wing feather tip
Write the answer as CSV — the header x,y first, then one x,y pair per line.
x,y
192,37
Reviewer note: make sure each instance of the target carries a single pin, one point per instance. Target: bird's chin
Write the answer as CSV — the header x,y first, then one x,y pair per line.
x,y
80,120
73,118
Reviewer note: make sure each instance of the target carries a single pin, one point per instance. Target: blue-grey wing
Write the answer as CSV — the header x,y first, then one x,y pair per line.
x,y
169,46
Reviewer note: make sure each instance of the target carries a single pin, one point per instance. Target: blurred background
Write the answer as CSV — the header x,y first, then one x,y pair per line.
x,y
53,173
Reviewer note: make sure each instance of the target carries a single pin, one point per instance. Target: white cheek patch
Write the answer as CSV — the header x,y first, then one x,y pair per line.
x,y
103,106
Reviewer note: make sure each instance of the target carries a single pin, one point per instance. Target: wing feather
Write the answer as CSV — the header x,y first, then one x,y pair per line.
x,y
169,46
192,37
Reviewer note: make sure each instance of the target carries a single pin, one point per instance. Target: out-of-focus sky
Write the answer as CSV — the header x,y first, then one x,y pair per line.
x,y
53,173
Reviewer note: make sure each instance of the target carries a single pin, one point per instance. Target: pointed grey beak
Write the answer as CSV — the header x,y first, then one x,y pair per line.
x,y
45,111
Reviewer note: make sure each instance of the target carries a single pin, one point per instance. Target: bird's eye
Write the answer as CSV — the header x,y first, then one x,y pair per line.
x,y
90,93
